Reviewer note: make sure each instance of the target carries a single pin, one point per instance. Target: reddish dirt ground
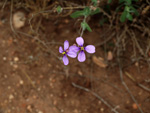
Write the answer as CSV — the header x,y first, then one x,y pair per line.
x,y
34,80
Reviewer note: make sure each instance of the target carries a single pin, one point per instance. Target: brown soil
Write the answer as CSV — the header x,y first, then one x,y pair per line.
x,y
34,80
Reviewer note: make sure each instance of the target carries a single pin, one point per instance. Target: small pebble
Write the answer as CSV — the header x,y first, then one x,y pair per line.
x,y
21,82
15,66
40,112
39,89
11,63
34,97
51,85
16,59
62,110
9,87
11,96
5,76
8,111
140,93
128,102
29,108
4,58
49,65
136,64
102,109
76,111
99,102
65,95
41,76
55,102
51,95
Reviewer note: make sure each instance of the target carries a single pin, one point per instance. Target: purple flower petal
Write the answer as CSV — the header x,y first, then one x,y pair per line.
x,y
90,48
66,45
60,49
74,49
72,54
65,60
81,56
80,41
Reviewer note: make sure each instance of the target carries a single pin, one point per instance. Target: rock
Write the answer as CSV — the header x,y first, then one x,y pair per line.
x,y
21,82
19,19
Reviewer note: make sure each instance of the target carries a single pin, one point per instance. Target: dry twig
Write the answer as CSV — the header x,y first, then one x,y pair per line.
x,y
125,85
97,96
140,85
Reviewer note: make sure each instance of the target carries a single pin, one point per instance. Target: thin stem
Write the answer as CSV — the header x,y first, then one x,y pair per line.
x,y
83,29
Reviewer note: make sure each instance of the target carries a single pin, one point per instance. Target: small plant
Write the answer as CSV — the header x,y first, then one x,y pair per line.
x,y
129,10
87,11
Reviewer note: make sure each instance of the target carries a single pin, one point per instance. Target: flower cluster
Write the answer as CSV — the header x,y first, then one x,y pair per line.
x,y
74,50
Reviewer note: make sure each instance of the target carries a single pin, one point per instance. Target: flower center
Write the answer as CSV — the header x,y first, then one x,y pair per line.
x,y
64,53
82,48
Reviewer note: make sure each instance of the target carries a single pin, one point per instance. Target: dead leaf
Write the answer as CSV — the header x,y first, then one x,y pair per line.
x,y
109,55
99,61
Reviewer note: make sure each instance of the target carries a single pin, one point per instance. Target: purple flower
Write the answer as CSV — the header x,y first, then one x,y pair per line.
x,y
81,48
66,52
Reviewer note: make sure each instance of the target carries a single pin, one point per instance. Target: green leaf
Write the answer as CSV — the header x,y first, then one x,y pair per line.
x,y
77,14
59,9
135,0
109,1
129,17
129,2
127,9
95,12
94,2
87,11
134,11
123,16
120,1
84,26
